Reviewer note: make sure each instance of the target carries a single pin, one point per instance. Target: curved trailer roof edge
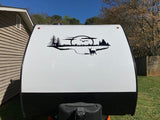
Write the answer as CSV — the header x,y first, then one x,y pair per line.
x,y
133,58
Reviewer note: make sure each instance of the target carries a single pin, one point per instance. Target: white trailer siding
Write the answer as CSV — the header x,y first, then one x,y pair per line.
x,y
51,70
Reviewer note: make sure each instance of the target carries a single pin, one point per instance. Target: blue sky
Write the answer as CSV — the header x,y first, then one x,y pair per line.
x,y
80,9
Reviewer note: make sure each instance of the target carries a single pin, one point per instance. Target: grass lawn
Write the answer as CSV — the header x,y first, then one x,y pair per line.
x,y
148,105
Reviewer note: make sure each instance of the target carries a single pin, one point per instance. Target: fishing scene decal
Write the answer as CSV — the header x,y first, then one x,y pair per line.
x,y
81,44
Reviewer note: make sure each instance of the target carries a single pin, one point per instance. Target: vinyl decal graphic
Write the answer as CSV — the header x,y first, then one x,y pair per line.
x,y
81,44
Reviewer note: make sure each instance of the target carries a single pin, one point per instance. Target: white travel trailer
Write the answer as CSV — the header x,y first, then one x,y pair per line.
x,y
78,63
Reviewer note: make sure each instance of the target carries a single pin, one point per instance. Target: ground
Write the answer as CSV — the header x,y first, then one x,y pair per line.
x,y
148,105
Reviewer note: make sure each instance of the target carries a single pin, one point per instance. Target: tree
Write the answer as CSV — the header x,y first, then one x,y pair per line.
x,y
44,18
140,19
68,20
55,19
58,42
74,21
39,19
53,40
92,20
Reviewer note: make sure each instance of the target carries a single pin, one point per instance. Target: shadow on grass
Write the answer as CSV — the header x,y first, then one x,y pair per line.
x,y
11,107
11,110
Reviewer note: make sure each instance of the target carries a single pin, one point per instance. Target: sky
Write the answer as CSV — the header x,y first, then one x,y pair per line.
x,y
80,9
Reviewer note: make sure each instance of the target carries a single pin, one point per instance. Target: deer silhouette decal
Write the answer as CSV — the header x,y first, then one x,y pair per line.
x,y
92,52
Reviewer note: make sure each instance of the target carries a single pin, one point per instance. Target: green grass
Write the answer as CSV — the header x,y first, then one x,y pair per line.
x,y
148,105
